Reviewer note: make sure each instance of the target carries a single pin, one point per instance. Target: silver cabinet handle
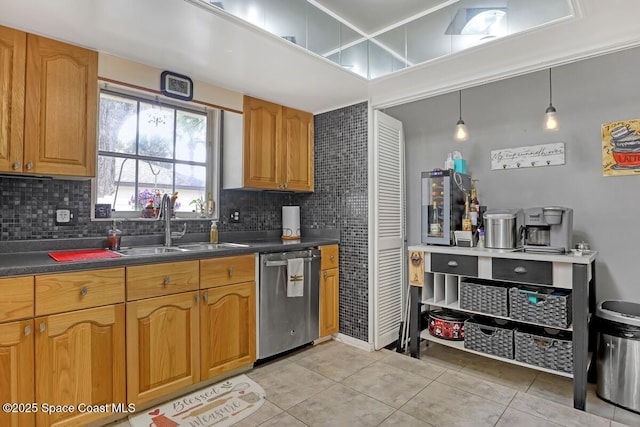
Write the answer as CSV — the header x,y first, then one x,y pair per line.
x,y
43,327
325,274
29,166
197,298
84,291
520,270
16,165
286,185
452,263
332,258
230,271
205,297
27,330
166,280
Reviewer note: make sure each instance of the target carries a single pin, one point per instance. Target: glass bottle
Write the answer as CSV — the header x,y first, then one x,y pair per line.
x,y
434,223
213,233
466,217
113,237
474,207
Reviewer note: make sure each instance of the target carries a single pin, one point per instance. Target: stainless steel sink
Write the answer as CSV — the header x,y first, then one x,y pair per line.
x,y
203,246
149,250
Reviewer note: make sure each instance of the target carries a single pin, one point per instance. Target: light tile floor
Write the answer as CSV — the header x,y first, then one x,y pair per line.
x,y
334,384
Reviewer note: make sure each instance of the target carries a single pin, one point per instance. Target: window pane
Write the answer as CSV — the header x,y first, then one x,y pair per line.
x,y
118,118
155,131
190,184
191,137
116,181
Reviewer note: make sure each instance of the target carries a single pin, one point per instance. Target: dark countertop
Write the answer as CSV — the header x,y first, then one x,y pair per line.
x,y
33,257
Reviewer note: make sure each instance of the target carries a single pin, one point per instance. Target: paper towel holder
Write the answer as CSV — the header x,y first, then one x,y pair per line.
x,y
291,222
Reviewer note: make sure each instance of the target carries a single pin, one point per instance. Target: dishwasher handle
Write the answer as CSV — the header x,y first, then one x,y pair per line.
x,y
284,262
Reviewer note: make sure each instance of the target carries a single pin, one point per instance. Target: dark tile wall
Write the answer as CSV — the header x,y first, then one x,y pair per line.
x,y
27,208
340,201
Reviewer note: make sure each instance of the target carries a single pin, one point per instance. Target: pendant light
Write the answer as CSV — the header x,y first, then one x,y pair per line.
x,y
551,117
461,133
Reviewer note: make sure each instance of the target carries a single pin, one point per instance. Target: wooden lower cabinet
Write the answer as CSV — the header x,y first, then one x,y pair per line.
x,y
227,328
162,346
16,371
329,318
80,359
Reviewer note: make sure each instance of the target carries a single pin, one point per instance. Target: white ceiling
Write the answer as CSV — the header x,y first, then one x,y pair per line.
x,y
371,16
224,51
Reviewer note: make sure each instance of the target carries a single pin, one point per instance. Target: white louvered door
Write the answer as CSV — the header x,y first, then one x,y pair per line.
x,y
388,229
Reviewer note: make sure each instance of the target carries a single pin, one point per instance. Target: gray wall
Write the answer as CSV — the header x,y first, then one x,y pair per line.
x,y
510,113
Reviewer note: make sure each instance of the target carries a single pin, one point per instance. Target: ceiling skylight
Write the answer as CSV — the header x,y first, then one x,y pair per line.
x,y
448,26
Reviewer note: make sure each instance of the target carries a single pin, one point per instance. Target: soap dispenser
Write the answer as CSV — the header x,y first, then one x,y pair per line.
x,y
213,234
113,237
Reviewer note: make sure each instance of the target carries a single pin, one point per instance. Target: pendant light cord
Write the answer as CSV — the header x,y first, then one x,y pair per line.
x,y
550,91
460,103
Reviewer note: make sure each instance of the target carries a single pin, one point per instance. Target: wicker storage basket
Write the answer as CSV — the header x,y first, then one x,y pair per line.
x,y
489,338
484,298
541,306
551,352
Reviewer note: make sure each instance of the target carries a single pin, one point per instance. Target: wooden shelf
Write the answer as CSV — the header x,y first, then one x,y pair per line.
x,y
460,346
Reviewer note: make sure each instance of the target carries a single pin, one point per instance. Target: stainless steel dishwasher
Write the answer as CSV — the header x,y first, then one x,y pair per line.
x,y
287,322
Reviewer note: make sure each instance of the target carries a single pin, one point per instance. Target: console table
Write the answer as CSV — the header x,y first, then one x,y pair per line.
x,y
574,271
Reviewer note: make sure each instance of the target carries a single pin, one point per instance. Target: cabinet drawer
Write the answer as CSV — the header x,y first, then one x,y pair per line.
x,y
61,292
518,270
329,256
227,270
16,298
464,265
152,280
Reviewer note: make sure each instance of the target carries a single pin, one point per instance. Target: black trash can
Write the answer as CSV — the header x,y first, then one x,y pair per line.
x,y
618,361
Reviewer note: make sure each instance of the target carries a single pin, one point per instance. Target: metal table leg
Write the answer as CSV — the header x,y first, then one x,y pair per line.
x,y
580,311
414,322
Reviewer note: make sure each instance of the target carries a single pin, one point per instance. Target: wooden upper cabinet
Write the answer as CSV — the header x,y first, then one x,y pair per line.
x,y
61,108
277,147
13,47
262,150
297,138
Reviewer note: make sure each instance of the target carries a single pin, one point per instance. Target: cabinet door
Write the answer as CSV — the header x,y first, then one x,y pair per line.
x,y
13,47
262,152
162,346
80,358
329,302
61,106
227,328
16,371
297,141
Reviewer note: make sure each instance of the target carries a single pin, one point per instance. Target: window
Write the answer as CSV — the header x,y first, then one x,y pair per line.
x,y
147,148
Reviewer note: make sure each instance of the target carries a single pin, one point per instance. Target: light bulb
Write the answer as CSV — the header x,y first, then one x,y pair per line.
x,y
551,119
461,134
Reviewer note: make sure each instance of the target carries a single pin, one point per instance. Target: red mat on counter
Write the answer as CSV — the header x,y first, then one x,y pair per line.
x,y
83,255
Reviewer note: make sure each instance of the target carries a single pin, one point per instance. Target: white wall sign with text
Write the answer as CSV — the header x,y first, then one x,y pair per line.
x,y
528,157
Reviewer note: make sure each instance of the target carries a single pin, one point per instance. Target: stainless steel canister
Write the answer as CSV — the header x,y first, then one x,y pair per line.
x,y
502,228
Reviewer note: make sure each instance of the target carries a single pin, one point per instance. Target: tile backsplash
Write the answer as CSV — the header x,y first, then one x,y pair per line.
x,y
339,202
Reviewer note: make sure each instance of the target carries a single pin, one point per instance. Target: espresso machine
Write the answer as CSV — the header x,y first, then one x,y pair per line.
x,y
548,229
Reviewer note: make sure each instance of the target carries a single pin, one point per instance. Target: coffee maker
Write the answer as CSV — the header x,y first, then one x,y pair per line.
x,y
548,229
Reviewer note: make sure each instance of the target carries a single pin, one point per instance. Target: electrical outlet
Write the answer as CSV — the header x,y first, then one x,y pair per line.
x,y
235,216
66,215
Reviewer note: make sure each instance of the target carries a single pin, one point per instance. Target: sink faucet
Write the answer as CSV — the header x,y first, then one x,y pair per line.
x,y
165,213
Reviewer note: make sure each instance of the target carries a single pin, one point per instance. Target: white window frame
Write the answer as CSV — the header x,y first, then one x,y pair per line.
x,y
213,162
